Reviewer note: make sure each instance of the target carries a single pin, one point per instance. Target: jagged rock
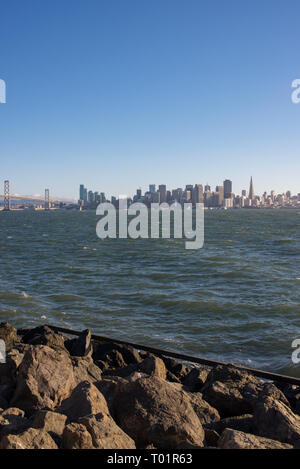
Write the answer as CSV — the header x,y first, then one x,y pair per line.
x,y
9,334
12,420
243,423
76,436
13,411
81,346
153,366
232,391
44,335
51,422
234,439
112,360
273,419
106,352
123,372
45,378
84,369
85,399
176,368
30,439
105,432
152,410
205,412
211,437
196,379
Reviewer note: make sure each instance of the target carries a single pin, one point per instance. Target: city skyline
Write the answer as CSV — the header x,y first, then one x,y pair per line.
x,y
149,91
222,196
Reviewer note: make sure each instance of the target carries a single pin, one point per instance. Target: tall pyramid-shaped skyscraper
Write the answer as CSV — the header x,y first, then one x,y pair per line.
x,y
251,190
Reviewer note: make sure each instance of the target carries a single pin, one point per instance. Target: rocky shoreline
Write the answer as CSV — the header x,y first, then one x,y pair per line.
x,y
58,392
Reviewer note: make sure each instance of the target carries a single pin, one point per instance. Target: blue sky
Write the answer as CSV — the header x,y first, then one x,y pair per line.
x,y
118,94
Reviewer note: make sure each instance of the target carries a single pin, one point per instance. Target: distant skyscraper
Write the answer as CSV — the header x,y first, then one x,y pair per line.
x,y
227,185
162,189
152,188
251,190
198,194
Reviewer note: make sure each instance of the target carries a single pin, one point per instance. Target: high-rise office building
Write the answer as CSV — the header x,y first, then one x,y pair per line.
x,y
251,190
82,193
152,188
227,186
162,189
198,197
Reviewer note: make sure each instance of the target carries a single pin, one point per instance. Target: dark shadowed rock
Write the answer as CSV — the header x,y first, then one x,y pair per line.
x,y
31,438
243,423
51,422
234,439
273,419
85,399
106,352
9,334
8,370
152,410
176,368
105,432
211,438
45,378
84,369
196,378
81,346
292,393
12,420
44,335
76,436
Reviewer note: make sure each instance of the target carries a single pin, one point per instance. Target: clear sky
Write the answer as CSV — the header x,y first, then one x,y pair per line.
x,y
117,94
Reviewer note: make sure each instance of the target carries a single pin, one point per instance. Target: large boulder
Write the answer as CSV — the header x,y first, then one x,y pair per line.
x,y
234,439
51,422
273,419
153,411
105,352
29,439
105,432
235,392
44,335
84,369
45,378
84,400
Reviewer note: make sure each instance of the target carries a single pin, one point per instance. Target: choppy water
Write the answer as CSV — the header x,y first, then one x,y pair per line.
x,y
237,299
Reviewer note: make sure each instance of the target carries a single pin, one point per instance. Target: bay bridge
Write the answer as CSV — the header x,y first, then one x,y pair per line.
x,y
6,197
